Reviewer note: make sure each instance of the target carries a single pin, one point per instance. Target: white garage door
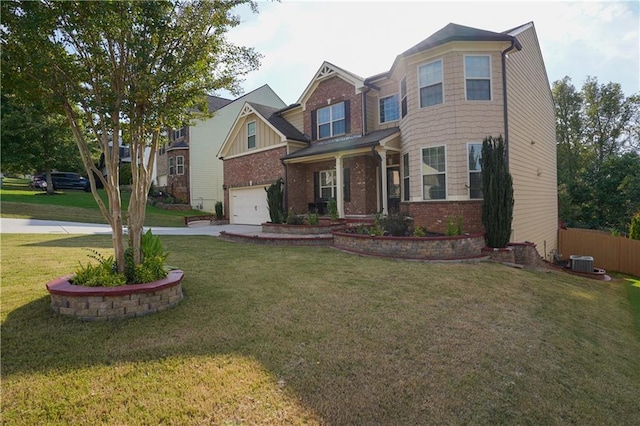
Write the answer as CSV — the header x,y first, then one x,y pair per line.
x,y
248,206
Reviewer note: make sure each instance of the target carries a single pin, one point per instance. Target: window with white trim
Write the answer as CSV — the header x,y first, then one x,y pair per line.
x,y
331,121
251,135
180,164
430,83
474,151
434,173
477,73
389,108
172,169
405,177
403,96
179,133
327,184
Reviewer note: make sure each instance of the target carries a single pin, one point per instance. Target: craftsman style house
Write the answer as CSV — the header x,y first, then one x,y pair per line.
x,y
408,139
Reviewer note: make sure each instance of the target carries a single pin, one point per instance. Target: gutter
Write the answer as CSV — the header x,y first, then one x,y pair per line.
x,y
515,44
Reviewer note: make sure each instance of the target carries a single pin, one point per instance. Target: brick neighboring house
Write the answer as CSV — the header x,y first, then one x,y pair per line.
x,y
408,139
172,161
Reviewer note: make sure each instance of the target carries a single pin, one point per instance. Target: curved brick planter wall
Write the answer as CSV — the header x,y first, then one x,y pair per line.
x,y
279,228
426,248
105,303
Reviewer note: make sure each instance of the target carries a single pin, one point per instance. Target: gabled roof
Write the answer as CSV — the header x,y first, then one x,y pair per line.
x,y
326,71
272,116
344,143
216,102
178,145
450,32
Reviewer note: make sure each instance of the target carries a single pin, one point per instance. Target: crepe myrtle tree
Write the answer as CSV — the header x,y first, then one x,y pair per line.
x,y
125,70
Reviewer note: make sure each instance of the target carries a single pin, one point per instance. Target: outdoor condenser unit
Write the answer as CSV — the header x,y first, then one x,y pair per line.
x,y
581,263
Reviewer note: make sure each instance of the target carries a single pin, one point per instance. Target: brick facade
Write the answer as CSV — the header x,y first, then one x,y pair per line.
x,y
332,91
434,215
178,184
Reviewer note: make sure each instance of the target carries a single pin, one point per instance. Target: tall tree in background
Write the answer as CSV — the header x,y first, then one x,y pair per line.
x,y
128,68
598,154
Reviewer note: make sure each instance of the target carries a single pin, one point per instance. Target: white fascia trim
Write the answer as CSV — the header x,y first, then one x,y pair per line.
x,y
257,150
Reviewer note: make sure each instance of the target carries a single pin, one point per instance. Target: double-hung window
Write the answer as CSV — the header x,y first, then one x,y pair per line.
x,y
403,96
477,73
179,133
475,170
430,83
180,165
434,173
327,184
172,168
389,109
405,177
331,121
251,135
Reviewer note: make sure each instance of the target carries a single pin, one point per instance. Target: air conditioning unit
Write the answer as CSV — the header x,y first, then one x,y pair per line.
x,y
581,263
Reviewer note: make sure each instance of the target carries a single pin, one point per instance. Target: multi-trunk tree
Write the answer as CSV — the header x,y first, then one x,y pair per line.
x,y
127,70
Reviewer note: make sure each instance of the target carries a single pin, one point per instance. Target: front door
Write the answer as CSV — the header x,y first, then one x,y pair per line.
x,y
393,189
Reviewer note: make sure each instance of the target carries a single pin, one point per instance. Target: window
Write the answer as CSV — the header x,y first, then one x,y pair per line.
x,y
163,149
477,72
172,166
179,133
434,176
328,184
180,164
331,121
389,108
403,96
405,177
430,83
251,135
475,170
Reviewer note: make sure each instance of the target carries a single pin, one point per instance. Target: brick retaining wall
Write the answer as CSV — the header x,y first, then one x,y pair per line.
x,y
106,303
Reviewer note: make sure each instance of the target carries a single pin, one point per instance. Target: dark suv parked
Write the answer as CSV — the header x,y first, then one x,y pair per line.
x,y
66,180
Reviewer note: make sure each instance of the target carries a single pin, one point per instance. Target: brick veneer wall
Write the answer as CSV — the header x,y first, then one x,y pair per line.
x,y
335,90
433,215
436,248
106,303
178,185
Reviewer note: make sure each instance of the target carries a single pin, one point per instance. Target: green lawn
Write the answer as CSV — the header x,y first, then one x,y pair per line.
x,y
18,201
271,335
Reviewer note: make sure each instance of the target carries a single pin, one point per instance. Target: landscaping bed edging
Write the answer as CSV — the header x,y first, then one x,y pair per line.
x,y
283,228
107,303
457,247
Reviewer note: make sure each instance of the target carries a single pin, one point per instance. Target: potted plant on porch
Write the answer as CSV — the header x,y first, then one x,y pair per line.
x,y
122,73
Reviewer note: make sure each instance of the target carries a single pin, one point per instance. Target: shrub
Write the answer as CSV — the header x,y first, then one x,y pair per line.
x,y
313,218
634,229
454,227
126,177
497,189
219,210
104,274
396,224
274,202
420,231
332,208
293,219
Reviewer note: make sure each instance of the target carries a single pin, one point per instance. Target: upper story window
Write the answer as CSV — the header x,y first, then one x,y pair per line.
x,y
180,165
389,108
403,96
172,168
430,83
405,177
477,73
331,121
434,173
180,133
327,184
251,135
475,170
163,149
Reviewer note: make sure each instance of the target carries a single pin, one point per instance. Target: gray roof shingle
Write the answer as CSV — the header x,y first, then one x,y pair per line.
x,y
286,128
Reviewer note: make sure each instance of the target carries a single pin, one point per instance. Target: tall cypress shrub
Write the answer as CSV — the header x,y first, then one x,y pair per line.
x,y
274,202
497,190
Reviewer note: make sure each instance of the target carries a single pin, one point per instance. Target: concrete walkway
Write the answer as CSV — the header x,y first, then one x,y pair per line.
x,y
32,226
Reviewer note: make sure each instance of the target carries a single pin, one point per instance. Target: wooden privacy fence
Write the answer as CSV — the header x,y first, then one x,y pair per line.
x,y
610,253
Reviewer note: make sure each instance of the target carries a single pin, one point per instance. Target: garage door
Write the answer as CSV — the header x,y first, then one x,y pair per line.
x,y
248,206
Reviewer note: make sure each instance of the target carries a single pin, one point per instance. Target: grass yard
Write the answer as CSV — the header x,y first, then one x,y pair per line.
x,y
272,335
18,201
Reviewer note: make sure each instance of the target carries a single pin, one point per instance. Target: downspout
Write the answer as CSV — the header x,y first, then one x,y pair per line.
x,y
514,45
377,156
364,110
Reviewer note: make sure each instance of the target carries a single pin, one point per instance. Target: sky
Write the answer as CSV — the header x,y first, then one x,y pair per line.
x,y
577,39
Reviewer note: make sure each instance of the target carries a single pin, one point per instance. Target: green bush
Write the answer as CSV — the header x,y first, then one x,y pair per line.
x,y
219,210
454,227
634,229
332,208
126,177
420,232
104,274
274,201
396,224
313,218
293,219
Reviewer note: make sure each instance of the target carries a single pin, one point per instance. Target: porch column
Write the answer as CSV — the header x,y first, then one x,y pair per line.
x,y
339,186
384,189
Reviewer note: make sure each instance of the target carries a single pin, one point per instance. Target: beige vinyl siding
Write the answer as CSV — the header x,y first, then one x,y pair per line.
x,y
205,140
387,88
532,146
295,117
265,136
454,123
372,111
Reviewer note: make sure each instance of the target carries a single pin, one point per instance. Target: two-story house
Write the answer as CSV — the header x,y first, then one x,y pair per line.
x,y
408,139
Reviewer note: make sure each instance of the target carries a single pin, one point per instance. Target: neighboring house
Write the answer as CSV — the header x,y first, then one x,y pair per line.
x,y
408,139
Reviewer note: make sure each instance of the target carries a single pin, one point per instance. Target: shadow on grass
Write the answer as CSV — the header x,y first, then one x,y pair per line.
x,y
76,241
